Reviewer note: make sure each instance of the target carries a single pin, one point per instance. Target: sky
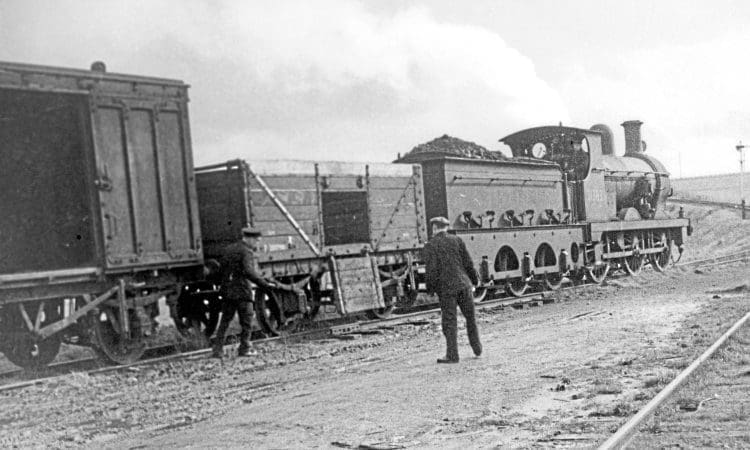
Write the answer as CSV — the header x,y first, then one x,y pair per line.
x,y
362,81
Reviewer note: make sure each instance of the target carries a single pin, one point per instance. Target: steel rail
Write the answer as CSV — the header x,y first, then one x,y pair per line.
x,y
625,433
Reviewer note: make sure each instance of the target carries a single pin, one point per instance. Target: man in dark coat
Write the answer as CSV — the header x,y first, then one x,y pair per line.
x,y
451,274
239,270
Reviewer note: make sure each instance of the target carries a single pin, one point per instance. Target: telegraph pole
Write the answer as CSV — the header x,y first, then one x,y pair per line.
x,y
741,149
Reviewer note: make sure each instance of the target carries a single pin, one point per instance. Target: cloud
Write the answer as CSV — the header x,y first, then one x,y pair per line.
x,y
693,99
319,80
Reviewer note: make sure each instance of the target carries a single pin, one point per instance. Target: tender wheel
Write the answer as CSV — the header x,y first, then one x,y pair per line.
x,y
633,264
516,287
553,281
268,312
598,273
660,261
110,344
25,351
577,276
479,294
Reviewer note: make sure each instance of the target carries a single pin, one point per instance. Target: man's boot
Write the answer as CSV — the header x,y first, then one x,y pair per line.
x,y
447,360
218,352
245,350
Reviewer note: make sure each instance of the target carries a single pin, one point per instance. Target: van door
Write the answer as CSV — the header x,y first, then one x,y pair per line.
x,y
144,181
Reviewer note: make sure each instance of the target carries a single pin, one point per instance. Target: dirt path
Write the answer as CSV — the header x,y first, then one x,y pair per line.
x,y
562,374
566,373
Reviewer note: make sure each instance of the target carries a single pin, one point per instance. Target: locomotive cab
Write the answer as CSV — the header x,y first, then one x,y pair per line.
x,y
566,146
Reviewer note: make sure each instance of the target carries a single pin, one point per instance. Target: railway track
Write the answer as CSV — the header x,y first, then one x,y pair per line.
x,y
534,299
628,431
335,330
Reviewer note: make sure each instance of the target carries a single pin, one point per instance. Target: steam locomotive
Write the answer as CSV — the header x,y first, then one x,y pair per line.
x,y
106,217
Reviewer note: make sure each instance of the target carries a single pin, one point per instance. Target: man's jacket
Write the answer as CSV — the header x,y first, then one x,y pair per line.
x,y
239,269
449,265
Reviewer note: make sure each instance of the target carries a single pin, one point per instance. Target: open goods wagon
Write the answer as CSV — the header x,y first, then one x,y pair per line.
x,y
99,216
338,236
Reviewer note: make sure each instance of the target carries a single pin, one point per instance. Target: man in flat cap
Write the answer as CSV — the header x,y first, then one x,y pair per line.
x,y
451,274
239,270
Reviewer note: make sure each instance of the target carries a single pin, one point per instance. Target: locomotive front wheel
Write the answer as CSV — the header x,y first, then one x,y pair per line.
x,y
516,287
553,280
110,344
26,352
598,273
633,264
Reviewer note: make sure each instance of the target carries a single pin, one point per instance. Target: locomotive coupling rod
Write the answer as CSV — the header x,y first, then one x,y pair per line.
x,y
60,325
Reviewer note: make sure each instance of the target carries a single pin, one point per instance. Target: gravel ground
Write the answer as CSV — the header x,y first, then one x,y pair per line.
x,y
564,374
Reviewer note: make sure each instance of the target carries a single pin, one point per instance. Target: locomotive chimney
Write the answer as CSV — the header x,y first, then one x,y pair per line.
x,y
632,137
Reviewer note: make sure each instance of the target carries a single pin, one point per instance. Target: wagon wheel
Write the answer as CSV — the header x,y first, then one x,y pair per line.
x,y
553,280
479,294
19,344
516,287
110,344
196,316
380,313
598,273
23,350
660,261
269,312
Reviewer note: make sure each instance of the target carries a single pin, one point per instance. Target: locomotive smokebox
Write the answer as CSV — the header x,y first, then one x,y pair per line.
x,y
633,143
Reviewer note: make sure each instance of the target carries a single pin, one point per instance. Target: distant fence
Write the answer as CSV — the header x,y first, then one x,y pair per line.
x,y
741,206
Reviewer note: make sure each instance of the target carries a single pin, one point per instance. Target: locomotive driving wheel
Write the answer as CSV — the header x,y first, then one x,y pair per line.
x,y
516,287
598,273
633,264
110,343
